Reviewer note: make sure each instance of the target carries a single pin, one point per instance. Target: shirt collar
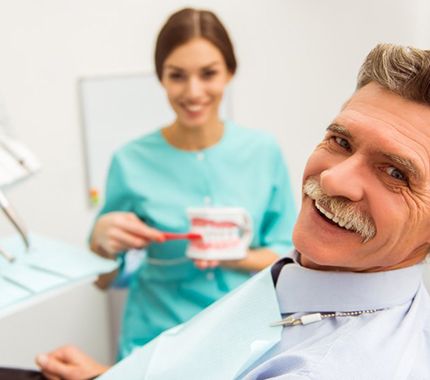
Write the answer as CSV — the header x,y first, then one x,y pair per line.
x,y
300,289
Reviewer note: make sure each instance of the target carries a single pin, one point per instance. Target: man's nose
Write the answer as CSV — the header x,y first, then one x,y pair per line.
x,y
344,179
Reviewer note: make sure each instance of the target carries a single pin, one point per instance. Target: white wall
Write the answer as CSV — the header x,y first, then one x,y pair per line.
x,y
298,60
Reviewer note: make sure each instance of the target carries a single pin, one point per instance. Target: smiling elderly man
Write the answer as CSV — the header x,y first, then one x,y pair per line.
x,y
349,303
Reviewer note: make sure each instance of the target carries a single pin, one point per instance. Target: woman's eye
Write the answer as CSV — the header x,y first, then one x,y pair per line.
x,y
342,143
176,76
208,74
396,173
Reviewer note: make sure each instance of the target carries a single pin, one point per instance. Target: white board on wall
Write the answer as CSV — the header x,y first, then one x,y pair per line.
x,y
116,109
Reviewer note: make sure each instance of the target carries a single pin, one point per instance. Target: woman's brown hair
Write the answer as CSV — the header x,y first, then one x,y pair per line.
x,y
187,24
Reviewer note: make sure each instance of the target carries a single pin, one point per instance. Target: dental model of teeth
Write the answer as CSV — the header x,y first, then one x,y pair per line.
x,y
216,238
216,234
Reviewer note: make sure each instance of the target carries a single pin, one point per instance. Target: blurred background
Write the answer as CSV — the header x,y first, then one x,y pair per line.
x,y
298,60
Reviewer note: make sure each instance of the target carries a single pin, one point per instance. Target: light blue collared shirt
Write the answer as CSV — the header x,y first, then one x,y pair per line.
x,y
391,344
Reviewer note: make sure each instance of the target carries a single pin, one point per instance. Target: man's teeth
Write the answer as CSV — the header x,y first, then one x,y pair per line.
x,y
335,219
325,212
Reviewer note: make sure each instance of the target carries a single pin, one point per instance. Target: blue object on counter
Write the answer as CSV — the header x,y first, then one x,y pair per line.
x,y
48,265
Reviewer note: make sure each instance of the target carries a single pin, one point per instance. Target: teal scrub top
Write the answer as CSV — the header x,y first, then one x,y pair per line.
x,y
158,182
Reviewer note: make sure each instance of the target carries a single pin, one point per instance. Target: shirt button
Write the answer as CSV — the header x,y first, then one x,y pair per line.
x,y
210,276
207,200
200,156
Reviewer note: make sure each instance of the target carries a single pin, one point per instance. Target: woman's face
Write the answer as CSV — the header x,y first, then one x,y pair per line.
x,y
194,76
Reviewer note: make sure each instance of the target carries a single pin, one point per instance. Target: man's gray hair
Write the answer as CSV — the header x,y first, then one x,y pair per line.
x,y
403,70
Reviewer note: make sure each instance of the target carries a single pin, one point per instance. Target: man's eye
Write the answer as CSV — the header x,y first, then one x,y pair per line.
x,y
342,143
396,173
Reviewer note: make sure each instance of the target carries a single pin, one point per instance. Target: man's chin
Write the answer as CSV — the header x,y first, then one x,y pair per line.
x,y
321,265
322,256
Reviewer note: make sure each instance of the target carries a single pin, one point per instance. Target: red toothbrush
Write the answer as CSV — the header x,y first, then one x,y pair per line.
x,y
182,236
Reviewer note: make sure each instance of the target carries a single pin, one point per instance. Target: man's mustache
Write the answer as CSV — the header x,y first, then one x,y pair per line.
x,y
343,209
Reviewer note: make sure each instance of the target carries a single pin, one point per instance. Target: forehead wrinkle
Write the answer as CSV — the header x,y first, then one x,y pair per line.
x,y
399,124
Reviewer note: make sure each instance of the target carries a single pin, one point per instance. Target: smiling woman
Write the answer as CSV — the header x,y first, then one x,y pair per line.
x,y
194,60
194,78
198,160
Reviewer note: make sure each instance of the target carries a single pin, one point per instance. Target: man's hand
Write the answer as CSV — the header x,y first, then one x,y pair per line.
x,y
69,363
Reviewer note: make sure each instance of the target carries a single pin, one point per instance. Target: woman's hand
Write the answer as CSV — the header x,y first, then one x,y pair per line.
x,y
69,363
206,264
255,260
119,231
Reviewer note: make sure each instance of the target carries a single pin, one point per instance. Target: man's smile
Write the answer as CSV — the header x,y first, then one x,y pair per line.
x,y
334,219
